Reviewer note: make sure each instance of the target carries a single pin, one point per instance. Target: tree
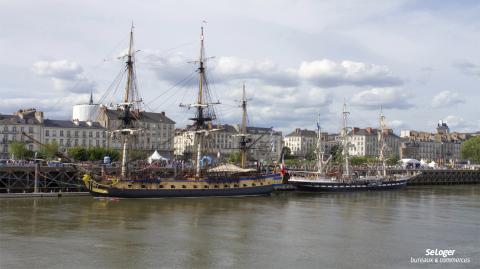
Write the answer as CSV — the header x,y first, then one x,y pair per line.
x,y
470,149
287,153
78,153
49,150
311,155
392,160
234,157
19,150
136,154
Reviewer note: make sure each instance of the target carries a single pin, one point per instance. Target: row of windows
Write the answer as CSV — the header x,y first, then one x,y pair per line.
x,y
68,133
76,142
14,129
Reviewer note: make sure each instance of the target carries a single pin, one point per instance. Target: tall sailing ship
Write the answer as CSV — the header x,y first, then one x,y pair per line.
x,y
223,180
347,179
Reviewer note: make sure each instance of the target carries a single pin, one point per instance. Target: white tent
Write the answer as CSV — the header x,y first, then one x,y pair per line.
x,y
410,162
156,157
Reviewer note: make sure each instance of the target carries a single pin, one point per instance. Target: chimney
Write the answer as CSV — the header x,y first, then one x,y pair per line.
x,y
163,113
39,116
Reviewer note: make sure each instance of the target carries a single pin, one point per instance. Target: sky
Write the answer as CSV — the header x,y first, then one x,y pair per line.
x,y
417,60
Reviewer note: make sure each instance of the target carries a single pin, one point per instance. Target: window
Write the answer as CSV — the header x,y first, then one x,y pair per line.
x,y
14,129
61,132
68,133
84,133
54,132
97,143
30,147
61,142
97,134
5,128
30,129
76,133
47,133
22,129
90,134
76,142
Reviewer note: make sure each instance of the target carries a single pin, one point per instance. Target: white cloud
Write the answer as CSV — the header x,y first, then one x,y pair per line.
x,y
65,75
397,124
457,123
389,98
327,73
321,73
56,108
265,71
446,99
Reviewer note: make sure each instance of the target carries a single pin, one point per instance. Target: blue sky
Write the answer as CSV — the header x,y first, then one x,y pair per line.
x,y
419,60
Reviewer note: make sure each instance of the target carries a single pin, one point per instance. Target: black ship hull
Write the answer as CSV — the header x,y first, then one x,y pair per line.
x,y
164,193
350,186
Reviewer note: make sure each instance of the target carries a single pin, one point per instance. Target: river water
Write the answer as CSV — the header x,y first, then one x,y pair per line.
x,y
286,230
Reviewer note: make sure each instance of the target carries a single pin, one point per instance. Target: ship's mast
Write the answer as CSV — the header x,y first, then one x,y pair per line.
x,y
383,146
126,116
319,146
243,130
202,115
346,170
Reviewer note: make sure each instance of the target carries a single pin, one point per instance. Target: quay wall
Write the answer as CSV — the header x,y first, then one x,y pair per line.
x,y
446,177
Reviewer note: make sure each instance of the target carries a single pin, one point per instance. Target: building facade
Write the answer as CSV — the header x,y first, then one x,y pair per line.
x,y
65,133
157,131
224,140
301,142
365,142
441,147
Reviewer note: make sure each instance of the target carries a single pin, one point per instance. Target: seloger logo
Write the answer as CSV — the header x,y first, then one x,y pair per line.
x,y
439,256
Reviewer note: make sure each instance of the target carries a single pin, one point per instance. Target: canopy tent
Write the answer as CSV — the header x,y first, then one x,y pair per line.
x,y
410,163
156,157
228,167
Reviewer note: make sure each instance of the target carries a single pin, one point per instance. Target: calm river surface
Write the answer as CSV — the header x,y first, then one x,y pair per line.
x,y
286,230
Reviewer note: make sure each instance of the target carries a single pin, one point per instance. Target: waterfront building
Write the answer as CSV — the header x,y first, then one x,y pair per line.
x,y
217,143
365,142
301,142
11,127
442,147
75,133
157,131
63,132
223,141
268,145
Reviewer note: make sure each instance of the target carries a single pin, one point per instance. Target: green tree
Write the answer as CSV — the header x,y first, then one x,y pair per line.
x,y
287,153
470,149
19,150
311,155
393,160
49,150
136,154
78,153
234,157
362,160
